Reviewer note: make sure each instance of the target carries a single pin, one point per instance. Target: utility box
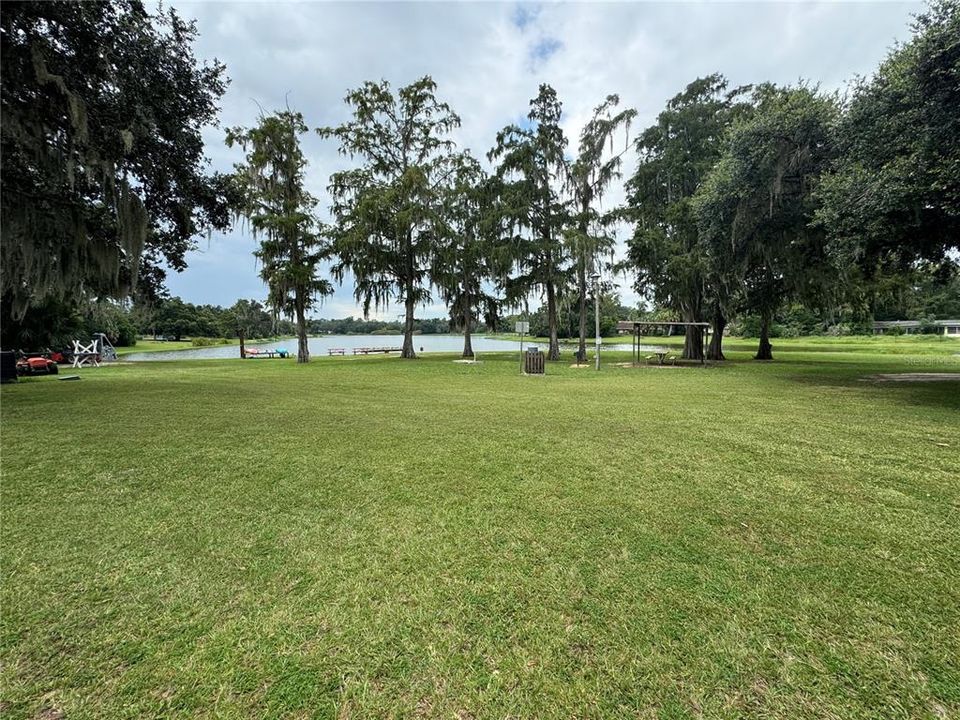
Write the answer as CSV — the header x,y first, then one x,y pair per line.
x,y
533,362
8,367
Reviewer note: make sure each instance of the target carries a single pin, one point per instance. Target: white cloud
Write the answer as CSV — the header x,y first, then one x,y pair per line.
x,y
488,60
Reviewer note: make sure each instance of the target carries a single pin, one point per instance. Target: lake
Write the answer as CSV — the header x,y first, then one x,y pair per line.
x,y
321,344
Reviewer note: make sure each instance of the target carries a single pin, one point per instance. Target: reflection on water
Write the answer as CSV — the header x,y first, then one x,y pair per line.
x,y
319,346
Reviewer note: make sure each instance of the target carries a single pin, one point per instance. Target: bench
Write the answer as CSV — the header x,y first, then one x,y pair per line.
x,y
337,351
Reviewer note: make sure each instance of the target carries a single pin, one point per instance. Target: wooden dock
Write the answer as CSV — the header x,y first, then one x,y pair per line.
x,y
375,350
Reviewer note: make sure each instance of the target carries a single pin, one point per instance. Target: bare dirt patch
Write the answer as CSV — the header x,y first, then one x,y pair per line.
x,y
646,365
913,377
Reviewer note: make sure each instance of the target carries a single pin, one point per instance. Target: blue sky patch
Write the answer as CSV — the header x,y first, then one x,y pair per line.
x,y
544,49
525,14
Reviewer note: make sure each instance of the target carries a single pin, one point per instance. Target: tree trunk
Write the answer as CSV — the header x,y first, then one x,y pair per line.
x,y
408,351
765,350
554,352
715,351
692,343
467,322
693,338
582,288
303,351
243,349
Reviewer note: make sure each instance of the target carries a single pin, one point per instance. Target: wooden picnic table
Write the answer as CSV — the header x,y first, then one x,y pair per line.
x,y
337,351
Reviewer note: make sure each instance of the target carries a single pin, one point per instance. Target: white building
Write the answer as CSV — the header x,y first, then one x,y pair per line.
x,y
946,327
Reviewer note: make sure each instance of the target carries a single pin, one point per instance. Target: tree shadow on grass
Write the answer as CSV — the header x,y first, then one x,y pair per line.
x,y
866,378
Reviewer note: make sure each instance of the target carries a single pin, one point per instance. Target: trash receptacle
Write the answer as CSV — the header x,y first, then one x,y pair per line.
x,y
8,366
533,362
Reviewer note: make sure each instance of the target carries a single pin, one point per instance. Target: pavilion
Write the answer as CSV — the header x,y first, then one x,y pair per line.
x,y
637,326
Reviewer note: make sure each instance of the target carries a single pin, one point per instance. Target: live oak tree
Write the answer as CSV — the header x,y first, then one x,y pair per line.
x,y
387,211
588,178
532,167
466,265
273,199
104,177
759,201
666,251
892,197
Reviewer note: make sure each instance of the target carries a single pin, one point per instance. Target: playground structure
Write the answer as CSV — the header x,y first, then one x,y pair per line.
x,y
108,353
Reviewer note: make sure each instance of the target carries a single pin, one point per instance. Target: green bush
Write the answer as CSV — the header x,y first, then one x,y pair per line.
x,y
749,327
928,326
204,341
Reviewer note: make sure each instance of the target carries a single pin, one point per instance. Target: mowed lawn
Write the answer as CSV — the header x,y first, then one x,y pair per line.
x,y
377,538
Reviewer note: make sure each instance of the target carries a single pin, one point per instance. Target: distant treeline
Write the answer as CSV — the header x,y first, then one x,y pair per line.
x,y
925,298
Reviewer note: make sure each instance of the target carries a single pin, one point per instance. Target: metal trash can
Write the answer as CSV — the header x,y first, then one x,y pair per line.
x,y
533,362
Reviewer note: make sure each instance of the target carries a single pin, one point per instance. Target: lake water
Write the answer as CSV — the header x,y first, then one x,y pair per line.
x,y
320,345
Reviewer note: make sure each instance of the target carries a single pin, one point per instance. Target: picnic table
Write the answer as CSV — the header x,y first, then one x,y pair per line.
x,y
337,351
661,354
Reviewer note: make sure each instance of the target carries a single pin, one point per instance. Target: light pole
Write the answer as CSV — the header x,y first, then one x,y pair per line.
x,y
596,313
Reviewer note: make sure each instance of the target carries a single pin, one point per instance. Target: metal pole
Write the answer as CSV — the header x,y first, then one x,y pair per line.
x,y
521,352
596,314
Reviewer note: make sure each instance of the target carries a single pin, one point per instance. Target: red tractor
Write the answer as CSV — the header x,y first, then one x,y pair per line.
x,y
36,364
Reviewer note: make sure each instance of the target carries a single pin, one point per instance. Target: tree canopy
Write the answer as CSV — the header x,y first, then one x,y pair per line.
x,y
666,252
104,175
532,168
759,198
893,194
589,176
466,262
272,197
387,210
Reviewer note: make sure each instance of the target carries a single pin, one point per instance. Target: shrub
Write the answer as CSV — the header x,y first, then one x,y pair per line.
x,y
928,327
749,327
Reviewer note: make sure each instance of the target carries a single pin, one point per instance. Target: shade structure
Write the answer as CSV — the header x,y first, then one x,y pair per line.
x,y
637,326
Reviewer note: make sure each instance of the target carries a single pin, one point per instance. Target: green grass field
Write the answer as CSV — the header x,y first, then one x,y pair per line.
x,y
376,538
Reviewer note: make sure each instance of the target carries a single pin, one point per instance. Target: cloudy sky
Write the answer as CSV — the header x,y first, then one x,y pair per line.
x,y
488,60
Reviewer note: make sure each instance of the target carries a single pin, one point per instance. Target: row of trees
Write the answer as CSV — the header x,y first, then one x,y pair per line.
x,y
743,199
417,215
749,198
